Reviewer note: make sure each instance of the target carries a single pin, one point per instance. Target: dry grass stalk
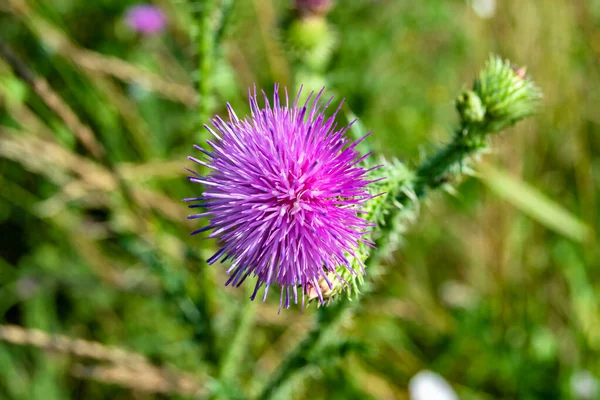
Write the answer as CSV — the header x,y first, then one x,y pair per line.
x,y
125,71
144,379
53,161
41,87
102,64
63,344
64,111
128,369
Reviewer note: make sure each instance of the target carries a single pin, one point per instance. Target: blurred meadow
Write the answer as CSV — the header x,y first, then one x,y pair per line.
x,y
105,295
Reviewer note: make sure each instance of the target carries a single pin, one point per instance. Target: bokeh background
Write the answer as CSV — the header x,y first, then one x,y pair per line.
x,y
496,287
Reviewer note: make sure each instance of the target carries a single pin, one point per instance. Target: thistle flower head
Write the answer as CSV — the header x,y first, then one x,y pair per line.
x,y
284,196
146,19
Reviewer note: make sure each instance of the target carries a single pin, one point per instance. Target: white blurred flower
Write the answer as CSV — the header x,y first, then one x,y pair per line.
x,y
584,385
458,295
484,8
427,385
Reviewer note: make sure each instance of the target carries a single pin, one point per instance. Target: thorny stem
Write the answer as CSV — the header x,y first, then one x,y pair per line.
x,y
206,49
226,15
236,350
207,33
448,160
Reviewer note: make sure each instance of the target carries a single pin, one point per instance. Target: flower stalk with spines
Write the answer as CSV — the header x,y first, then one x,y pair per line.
x,y
208,29
501,96
204,33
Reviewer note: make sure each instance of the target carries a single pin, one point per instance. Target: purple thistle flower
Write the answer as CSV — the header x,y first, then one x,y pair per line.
x,y
284,196
146,19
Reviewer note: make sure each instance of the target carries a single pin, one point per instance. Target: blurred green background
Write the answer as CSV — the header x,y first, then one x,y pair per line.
x,y
496,287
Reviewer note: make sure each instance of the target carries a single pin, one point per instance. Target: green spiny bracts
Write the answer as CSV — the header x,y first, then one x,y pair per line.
x,y
506,93
395,210
398,179
352,284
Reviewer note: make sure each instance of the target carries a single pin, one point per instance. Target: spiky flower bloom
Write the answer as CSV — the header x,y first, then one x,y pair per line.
x,y
284,196
146,19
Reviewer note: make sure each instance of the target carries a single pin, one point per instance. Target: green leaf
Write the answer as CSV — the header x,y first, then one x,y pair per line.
x,y
535,204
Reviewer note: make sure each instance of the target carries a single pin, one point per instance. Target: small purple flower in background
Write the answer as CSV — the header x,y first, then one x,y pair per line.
x,y
146,19
313,7
284,196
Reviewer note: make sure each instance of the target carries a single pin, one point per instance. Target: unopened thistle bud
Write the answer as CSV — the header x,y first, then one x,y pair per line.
x,y
521,72
470,108
311,40
506,93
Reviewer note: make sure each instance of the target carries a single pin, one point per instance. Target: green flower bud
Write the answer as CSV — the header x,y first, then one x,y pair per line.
x,y
506,93
307,33
470,108
311,40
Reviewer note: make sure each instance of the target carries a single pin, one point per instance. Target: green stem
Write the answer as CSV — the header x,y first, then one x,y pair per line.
x,y
233,359
206,53
204,329
226,15
448,161
327,321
